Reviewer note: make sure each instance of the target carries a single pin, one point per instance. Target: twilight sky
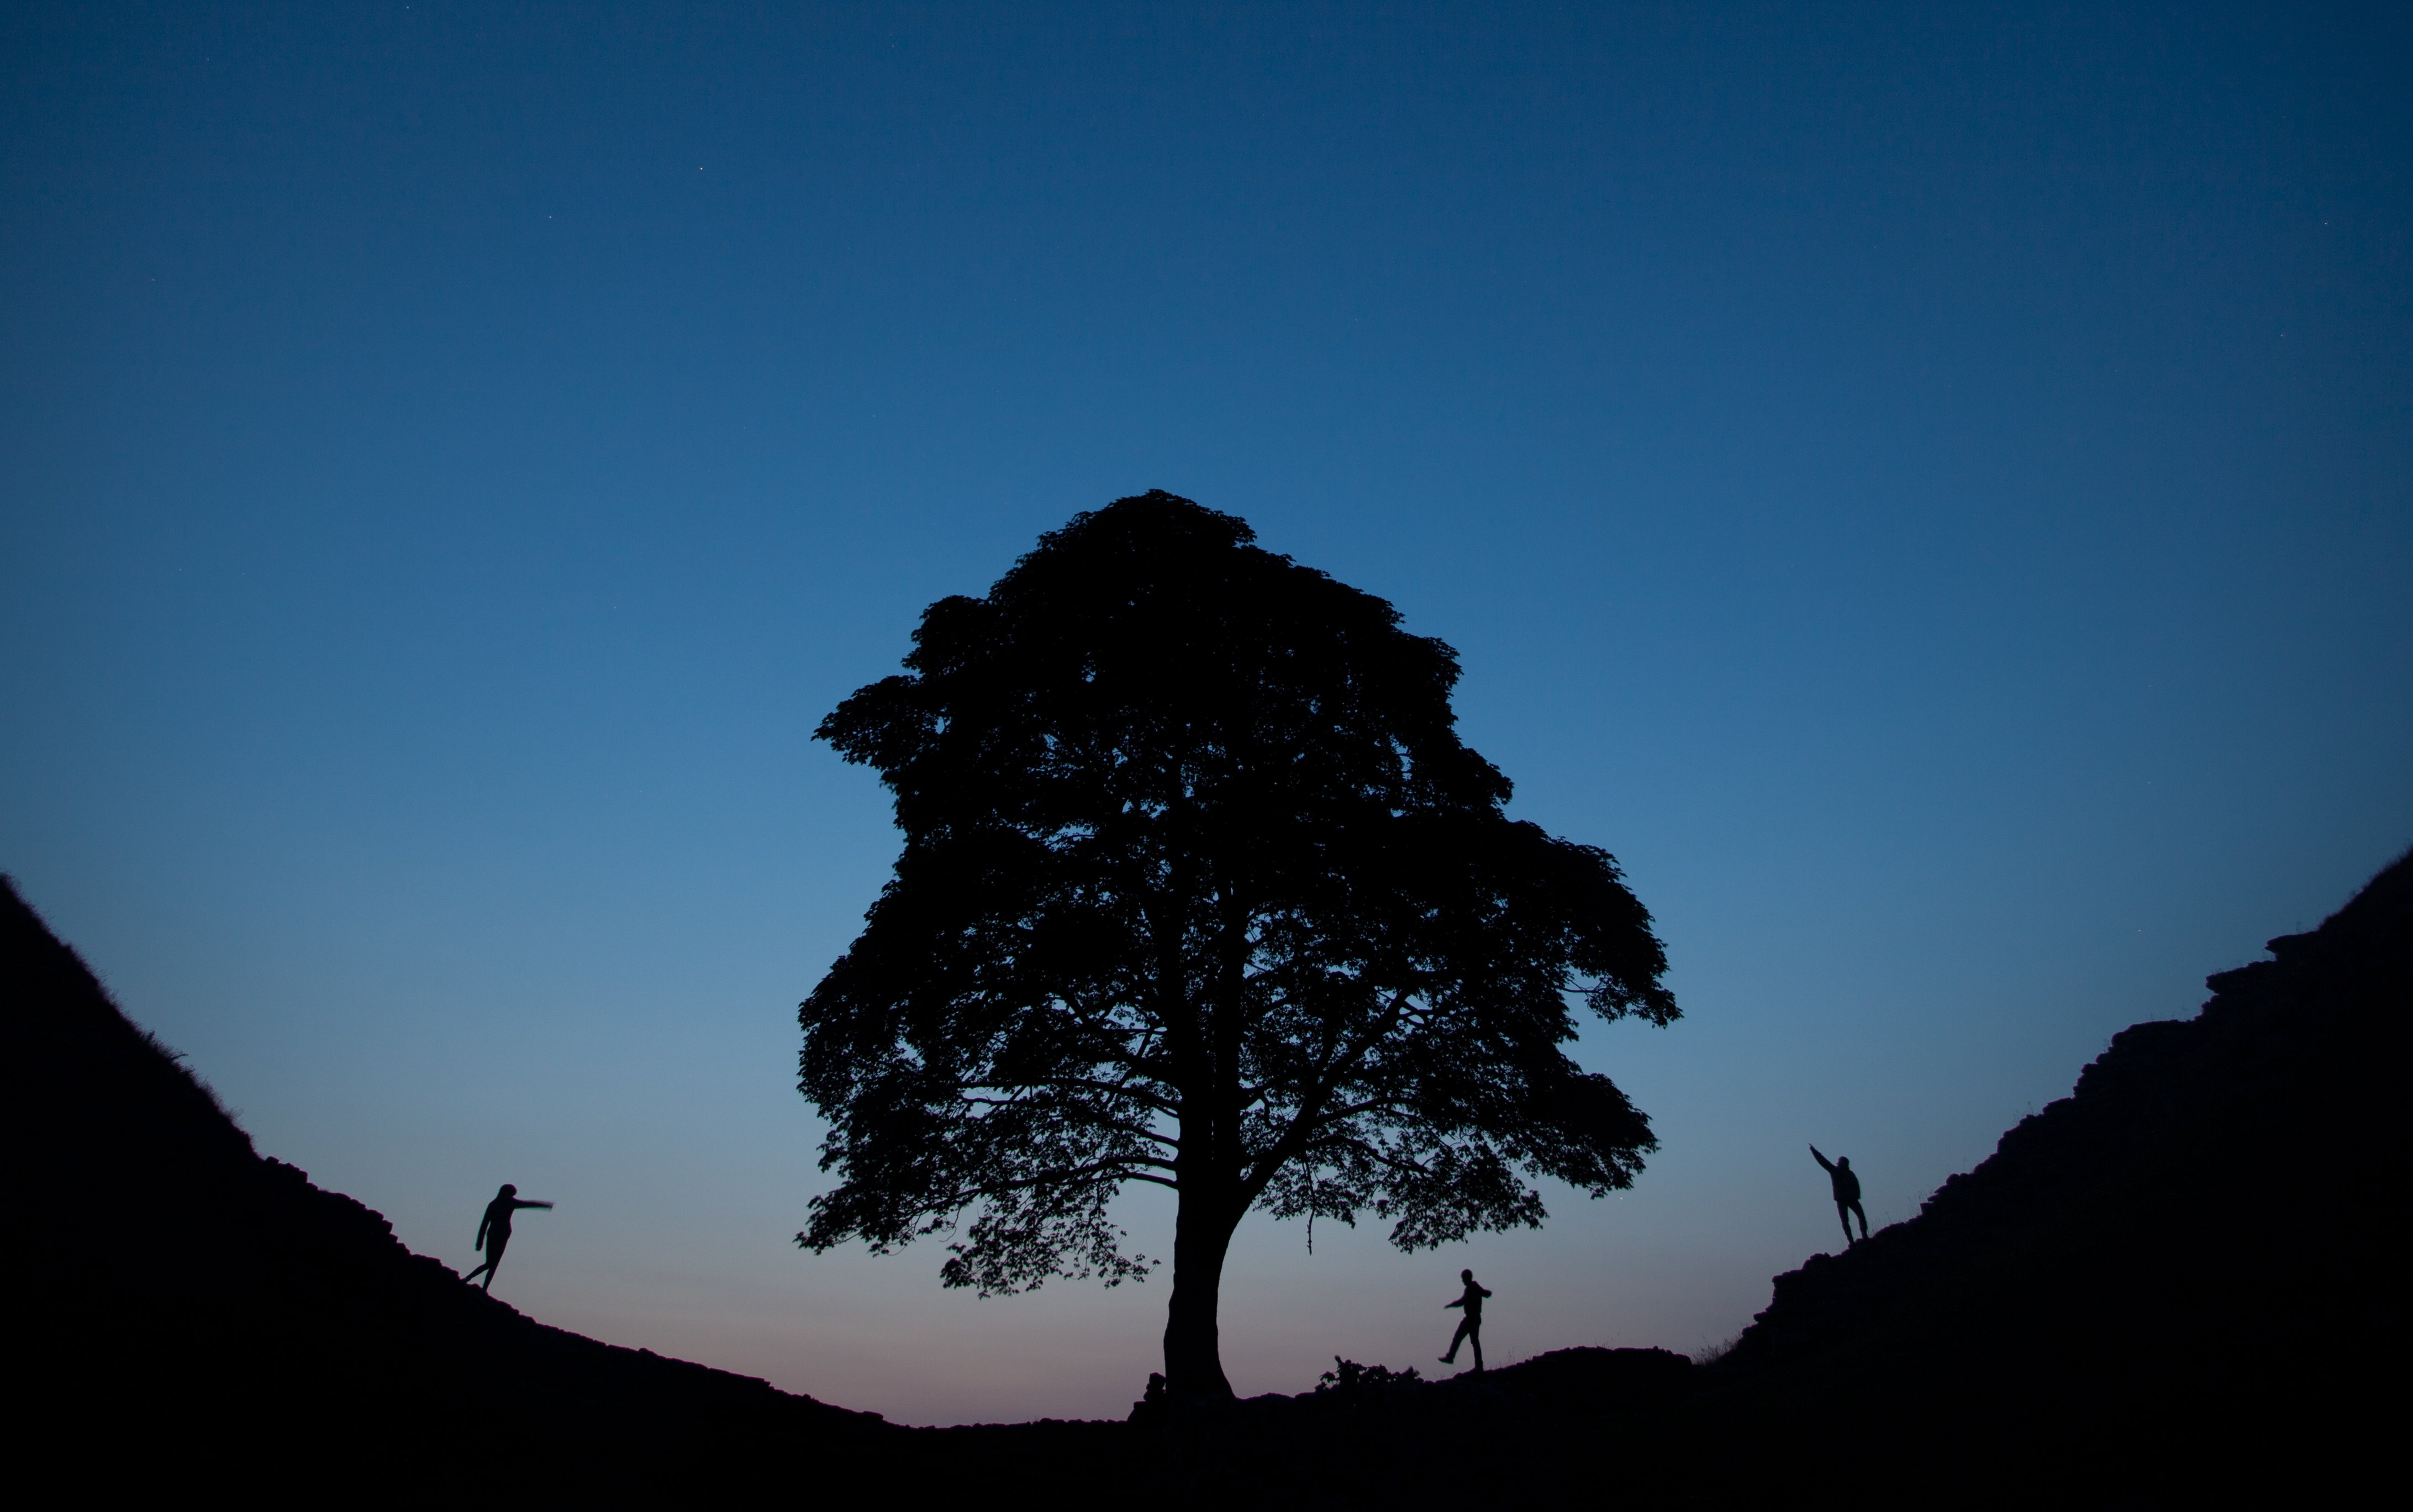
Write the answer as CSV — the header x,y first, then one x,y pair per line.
x,y
1925,486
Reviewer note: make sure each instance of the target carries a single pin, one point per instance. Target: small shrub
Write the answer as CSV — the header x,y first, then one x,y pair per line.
x,y
1347,1377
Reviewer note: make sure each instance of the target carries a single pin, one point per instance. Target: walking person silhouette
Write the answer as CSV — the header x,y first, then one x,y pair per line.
x,y
1847,1193
1469,1327
494,1230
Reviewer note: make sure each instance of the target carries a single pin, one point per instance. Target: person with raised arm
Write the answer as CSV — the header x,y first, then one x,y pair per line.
x,y
494,1230
1847,1193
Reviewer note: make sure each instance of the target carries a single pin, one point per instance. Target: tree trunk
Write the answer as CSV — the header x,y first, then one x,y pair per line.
x,y
1194,1355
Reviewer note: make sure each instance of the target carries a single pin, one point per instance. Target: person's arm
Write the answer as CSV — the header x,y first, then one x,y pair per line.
x,y
1824,1163
1446,1306
518,1202
1485,1290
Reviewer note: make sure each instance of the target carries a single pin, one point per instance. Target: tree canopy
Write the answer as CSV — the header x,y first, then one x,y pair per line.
x,y
1201,888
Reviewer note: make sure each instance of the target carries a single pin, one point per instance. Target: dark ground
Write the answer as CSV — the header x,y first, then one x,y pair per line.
x,y
2179,1286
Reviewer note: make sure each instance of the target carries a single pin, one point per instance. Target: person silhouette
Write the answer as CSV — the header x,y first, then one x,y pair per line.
x,y
494,1230
1469,1327
1847,1193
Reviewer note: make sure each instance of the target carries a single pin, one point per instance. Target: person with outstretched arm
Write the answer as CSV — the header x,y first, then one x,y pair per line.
x,y
1847,1193
1469,1327
494,1230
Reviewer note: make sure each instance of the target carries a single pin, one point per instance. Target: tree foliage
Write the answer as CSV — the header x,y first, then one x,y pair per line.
x,y
1201,888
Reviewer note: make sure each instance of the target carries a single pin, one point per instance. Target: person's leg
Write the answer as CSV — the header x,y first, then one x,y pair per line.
x,y
1861,1213
473,1275
494,1258
1474,1339
1457,1338
1843,1211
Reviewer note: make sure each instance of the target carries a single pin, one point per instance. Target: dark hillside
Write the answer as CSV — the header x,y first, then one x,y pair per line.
x,y
189,1306
2185,1276
198,1314
2180,1284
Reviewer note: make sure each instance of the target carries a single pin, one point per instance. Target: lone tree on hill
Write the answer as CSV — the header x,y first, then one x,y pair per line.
x,y
1201,888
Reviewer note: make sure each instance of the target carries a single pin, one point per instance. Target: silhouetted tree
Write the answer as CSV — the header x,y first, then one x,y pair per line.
x,y
1201,888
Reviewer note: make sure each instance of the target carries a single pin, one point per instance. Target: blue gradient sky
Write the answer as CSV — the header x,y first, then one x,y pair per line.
x,y
1925,486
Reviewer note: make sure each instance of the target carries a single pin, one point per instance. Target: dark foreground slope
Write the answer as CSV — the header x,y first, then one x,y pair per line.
x,y
186,1306
2180,1284
2185,1278
193,1314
